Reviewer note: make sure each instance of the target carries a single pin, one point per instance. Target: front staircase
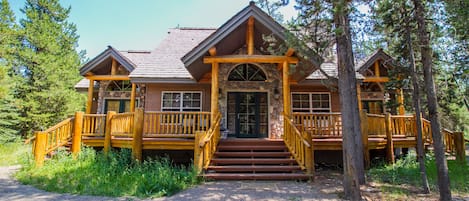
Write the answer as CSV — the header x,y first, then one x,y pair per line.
x,y
253,159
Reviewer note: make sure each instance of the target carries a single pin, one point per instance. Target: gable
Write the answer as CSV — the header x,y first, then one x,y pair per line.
x,y
101,64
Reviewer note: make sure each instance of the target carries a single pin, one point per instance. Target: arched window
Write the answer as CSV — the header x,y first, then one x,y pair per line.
x,y
247,72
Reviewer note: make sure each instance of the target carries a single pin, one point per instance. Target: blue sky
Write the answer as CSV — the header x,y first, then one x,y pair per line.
x,y
140,24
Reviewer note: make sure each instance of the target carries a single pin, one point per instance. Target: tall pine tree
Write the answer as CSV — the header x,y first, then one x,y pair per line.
x,y
49,65
8,43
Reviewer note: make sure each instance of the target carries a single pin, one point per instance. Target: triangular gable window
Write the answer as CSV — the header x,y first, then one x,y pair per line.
x,y
246,72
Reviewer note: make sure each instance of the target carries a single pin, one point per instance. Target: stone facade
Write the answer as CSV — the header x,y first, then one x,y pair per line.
x,y
273,87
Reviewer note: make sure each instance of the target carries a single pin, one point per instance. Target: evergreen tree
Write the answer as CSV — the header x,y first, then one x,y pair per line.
x,y
9,40
49,65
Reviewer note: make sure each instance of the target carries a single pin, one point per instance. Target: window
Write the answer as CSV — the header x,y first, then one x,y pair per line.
x,y
117,105
247,72
311,102
181,101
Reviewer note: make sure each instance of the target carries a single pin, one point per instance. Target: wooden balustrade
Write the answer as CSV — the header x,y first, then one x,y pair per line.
x,y
122,125
175,124
427,131
205,144
376,125
59,135
403,125
448,138
94,125
320,125
299,143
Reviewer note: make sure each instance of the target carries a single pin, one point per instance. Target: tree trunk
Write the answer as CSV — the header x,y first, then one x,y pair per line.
x,y
425,49
352,145
416,103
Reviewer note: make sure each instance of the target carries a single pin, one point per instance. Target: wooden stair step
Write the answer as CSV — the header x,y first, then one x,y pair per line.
x,y
257,176
257,168
253,154
249,148
251,142
253,161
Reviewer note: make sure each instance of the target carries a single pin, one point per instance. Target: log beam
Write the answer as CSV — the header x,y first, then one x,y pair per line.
x,y
108,77
376,79
250,59
250,36
89,102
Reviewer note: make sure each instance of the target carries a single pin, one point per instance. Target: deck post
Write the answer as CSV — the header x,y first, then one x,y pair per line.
x,y
359,97
137,135
77,131
214,93
198,156
459,144
400,100
389,142
132,97
40,148
107,132
364,129
309,155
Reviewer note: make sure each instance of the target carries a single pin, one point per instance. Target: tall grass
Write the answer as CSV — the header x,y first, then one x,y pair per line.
x,y
406,171
12,152
116,174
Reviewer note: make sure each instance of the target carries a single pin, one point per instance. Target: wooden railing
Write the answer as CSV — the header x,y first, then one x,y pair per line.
x,y
320,125
175,124
300,144
205,144
122,124
427,131
94,125
376,125
403,125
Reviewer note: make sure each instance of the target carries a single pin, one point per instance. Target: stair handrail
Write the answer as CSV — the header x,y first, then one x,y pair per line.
x,y
299,144
205,144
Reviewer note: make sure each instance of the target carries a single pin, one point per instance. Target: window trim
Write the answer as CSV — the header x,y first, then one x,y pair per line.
x,y
245,65
311,109
181,107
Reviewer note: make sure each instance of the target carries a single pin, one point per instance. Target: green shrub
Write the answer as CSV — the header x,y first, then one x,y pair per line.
x,y
116,174
406,171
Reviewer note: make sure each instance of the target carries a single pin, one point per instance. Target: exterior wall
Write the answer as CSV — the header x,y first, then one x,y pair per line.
x,y
272,86
154,91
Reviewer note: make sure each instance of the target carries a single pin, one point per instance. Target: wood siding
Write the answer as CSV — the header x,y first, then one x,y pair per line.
x,y
335,101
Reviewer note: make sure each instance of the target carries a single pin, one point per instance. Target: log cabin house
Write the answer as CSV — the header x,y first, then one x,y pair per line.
x,y
201,84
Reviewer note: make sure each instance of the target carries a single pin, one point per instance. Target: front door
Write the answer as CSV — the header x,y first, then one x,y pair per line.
x,y
247,114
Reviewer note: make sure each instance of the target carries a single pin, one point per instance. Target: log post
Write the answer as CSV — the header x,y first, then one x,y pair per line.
x,y
286,89
77,131
250,36
460,146
198,155
40,148
359,97
132,97
214,93
89,102
364,128
389,142
400,100
137,135
108,132
309,155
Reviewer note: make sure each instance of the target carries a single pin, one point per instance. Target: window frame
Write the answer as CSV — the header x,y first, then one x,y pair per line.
x,y
181,104
311,109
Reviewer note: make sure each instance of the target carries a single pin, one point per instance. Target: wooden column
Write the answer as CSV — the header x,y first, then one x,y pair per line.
x,y
309,155
459,144
89,103
377,74
400,101
113,67
214,93
107,132
359,97
77,131
40,148
198,152
132,97
250,36
389,142
137,135
364,129
286,89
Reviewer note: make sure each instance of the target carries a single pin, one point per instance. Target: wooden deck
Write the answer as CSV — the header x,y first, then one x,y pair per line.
x,y
303,134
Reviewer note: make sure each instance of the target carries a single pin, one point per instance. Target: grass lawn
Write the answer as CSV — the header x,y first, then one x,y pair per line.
x,y
12,153
403,178
94,173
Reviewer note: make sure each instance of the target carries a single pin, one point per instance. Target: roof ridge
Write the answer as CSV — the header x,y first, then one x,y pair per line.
x,y
195,28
